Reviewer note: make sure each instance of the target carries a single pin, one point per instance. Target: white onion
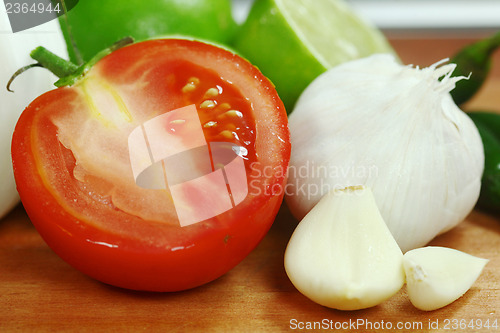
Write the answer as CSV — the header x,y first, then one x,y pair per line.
x,y
15,49
392,128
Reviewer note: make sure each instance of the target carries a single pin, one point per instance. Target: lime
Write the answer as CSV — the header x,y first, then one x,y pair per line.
x,y
96,24
293,41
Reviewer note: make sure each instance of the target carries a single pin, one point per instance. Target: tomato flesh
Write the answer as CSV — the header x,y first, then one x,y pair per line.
x,y
73,169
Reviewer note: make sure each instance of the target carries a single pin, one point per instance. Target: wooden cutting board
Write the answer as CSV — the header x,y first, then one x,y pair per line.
x,y
40,292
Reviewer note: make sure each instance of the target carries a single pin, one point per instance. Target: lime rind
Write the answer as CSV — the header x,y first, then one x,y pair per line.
x,y
332,32
294,41
268,42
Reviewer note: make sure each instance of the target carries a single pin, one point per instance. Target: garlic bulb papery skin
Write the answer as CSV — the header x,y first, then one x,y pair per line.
x,y
342,255
392,128
437,276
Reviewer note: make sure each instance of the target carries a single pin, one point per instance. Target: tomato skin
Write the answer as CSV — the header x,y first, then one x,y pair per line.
x,y
195,255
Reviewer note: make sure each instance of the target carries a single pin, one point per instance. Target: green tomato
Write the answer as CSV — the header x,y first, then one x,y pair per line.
x,y
96,24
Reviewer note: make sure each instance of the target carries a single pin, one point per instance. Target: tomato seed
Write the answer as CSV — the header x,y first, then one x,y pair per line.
x,y
211,93
224,107
210,124
227,134
192,84
208,104
234,113
188,88
194,80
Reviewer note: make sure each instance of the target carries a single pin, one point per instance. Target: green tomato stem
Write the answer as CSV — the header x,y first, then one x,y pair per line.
x,y
57,65
80,72
67,72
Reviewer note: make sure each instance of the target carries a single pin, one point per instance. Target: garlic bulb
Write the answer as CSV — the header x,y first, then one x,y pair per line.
x,y
437,276
342,255
394,129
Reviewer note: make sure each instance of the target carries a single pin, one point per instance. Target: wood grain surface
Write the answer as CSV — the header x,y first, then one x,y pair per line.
x,y
39,292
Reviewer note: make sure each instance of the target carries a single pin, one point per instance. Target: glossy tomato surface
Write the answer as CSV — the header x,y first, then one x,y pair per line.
x,y
77,176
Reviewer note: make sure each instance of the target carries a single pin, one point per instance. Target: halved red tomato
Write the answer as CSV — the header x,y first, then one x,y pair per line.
x,y
77,163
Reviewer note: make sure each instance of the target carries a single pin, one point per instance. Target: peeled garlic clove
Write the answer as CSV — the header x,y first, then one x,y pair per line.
x,y
342,255
437,276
